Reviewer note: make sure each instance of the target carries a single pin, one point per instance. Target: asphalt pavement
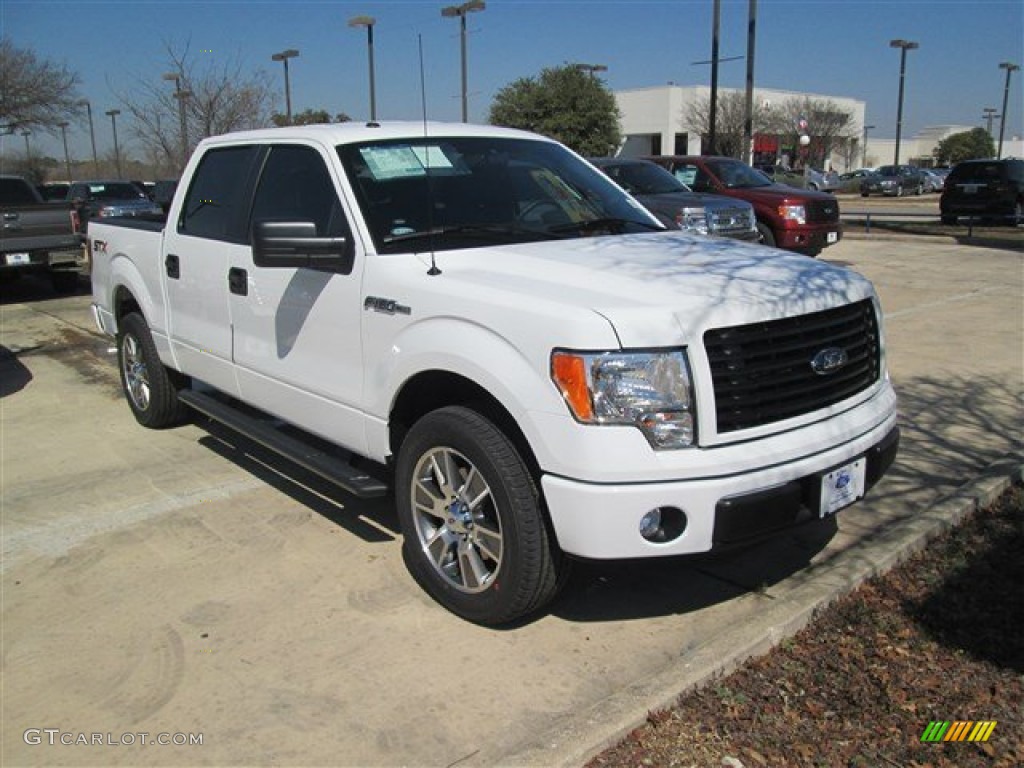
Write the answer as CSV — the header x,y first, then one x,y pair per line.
x,y
184,584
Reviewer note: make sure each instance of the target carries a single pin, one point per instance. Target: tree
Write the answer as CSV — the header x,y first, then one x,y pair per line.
x,y
309,117
830,127
34,93
730,117
968,145
565,103
218,98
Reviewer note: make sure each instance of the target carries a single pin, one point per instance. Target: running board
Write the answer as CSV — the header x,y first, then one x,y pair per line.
x,y
316,461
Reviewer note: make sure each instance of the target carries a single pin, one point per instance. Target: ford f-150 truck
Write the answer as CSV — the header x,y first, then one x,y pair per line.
x,y
489,326
800,220
38,236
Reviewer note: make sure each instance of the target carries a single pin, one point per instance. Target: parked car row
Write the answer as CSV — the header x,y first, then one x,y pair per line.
x,y
806,178
106,198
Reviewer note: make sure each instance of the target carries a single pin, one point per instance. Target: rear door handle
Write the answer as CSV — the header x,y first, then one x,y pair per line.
x,y
173,266
238,281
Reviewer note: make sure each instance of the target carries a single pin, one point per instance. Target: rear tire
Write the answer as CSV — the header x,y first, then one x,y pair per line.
x,y
151,389
948,219
475,535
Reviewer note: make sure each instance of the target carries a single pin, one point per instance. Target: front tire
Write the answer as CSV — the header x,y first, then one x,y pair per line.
x,y
475,535
765,235
151,391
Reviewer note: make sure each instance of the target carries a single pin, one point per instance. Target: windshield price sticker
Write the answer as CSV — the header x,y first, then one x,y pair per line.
x,y
841,487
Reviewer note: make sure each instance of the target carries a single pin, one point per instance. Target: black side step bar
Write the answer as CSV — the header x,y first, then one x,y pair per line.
x,y
316,461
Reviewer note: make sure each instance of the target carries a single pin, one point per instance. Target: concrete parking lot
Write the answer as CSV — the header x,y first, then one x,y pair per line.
x,y
186,583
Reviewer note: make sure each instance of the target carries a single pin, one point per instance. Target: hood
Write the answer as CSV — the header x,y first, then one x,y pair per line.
x,y
778,193
658,289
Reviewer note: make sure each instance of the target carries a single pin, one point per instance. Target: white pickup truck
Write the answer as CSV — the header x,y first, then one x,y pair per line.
x,y
536,366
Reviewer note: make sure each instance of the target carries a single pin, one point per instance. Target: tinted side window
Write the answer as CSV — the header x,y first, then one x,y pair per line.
x,y
295,185
16,192
216,203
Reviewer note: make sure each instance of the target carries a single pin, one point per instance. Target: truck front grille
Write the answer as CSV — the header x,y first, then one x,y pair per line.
x,y
730,220
762,373
822,211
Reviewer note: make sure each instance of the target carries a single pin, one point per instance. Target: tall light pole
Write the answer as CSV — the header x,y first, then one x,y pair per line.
x,y
864,149
748,106
1010,68
368,22
460,11
180,95
716,23
28,152
113,113
64,135
92,136
291,53
904,46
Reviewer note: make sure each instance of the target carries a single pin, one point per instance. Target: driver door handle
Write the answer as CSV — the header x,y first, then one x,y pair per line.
x,y
238,281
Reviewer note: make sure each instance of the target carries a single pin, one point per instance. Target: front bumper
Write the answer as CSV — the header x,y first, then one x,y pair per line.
x,y
804,239
602,521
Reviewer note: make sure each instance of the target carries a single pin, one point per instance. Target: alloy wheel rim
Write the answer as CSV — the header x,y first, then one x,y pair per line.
x,y
136,376
457,520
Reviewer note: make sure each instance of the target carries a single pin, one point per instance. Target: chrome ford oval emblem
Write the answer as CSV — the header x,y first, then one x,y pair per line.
x,y
829,360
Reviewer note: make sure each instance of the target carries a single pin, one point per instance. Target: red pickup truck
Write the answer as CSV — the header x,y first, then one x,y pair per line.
x,y
795,219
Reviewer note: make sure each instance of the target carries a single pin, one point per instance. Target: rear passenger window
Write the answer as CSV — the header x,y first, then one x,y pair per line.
x,y
215,207
295,185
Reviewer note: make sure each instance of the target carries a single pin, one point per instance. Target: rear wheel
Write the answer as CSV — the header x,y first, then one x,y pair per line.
x,y
948,219
151,390
475,535
899,191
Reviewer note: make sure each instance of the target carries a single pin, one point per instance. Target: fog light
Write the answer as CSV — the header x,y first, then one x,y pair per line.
x,y
663,524
650,524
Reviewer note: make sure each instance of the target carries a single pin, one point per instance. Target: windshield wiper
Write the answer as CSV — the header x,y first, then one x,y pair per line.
x,y
610,223
498,231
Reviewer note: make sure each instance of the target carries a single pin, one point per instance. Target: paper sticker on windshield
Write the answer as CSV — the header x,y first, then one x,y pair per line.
x,y
403,162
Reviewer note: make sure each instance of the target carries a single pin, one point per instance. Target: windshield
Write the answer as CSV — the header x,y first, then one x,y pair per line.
x,y
644,178
439,193
736,175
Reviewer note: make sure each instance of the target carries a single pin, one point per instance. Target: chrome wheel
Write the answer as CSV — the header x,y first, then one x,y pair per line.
x,y
136,376
457,520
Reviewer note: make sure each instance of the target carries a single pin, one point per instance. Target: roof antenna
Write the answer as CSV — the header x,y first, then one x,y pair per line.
x,y
433,271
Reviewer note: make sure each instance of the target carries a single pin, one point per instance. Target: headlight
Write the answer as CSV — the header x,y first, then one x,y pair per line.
x,y
795,213
649,390
692,220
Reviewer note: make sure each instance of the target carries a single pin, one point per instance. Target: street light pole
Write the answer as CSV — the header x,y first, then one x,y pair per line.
x,y
28,152
864,149
64,135
291,53
92,136
1010,68
904,46
180,95
113,113
592,68
368,22
461,11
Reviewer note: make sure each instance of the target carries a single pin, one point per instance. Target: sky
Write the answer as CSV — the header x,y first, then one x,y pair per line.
x,y
829,47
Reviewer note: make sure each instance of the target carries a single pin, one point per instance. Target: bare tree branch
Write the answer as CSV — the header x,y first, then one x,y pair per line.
x,y
34,93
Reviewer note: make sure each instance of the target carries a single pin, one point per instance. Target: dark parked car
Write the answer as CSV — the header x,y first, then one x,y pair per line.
x,y
54,192
103,199
676,205
895,181
808,178
984,189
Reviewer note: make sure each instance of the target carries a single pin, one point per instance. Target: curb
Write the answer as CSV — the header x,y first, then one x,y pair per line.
x,y
580,737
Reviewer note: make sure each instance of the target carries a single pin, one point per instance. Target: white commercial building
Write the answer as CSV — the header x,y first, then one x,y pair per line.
x,y
655,121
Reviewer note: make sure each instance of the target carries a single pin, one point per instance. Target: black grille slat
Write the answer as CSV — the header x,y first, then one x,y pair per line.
x,y
762,372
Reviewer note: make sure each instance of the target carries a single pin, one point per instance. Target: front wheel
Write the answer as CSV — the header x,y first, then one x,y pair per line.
x,y
149,387
475,535
765,236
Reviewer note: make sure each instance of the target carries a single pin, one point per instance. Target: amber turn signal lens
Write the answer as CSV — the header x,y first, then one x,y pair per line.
x,y
570,374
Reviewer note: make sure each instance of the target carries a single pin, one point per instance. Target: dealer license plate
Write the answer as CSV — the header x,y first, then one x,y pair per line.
x,y
18,258
841,487
832,237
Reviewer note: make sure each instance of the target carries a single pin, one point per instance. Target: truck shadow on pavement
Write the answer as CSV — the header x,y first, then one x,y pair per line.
x,y
14,376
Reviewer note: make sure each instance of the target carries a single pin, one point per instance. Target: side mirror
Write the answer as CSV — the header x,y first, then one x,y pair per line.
x,y
296,244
